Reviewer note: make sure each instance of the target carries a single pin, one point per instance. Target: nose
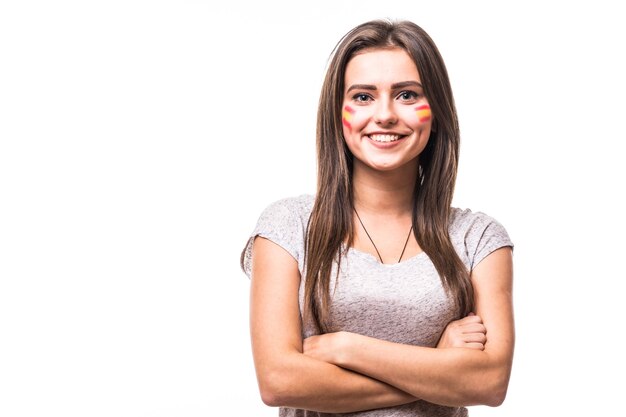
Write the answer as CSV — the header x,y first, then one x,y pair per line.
x,y
385,114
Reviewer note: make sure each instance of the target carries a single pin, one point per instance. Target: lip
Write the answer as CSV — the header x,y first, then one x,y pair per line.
x,y
386,133
385,145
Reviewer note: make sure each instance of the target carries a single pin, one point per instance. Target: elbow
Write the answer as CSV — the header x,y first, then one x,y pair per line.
x,y
279,380
487,385
274,389
269,394
270,398
496,397
494,391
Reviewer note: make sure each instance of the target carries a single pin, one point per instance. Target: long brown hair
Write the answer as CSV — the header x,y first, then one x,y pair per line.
x,y
331,222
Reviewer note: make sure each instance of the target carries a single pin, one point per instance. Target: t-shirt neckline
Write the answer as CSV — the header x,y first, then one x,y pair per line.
x,y
373,259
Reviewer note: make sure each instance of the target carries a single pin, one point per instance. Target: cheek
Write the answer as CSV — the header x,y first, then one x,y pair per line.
x,y
347,117
423,113
354,118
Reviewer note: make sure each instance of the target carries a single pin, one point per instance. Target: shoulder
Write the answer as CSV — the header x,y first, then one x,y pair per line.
x,y
287,216
284,222
289,210
464,219
476,234
290,213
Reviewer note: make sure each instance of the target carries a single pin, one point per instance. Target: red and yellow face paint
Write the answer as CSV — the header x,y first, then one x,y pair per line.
x,y
423,113
346,116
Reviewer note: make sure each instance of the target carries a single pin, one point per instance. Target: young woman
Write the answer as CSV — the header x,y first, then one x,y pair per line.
x,y
375,296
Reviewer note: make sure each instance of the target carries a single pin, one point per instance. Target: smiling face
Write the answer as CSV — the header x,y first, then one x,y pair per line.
x,y
386,117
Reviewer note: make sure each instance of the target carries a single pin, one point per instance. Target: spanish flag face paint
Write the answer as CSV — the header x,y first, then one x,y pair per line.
x,y
346,116
423,113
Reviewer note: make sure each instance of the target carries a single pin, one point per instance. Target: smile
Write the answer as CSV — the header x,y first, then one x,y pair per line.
x,y
385,138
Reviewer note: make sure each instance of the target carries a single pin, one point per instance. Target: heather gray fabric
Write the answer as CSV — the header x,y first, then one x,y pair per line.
x,y
403,303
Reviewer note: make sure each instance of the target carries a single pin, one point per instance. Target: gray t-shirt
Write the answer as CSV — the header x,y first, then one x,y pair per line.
x,y
403,302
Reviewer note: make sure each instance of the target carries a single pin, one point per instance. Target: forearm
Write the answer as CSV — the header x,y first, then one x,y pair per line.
x,y
299,381
286,376
454,377
448,376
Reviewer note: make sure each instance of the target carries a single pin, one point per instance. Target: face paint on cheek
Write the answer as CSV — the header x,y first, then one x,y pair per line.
x,y
423,113
346,116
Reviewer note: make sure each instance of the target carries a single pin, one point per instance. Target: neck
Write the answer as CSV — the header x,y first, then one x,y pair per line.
x,y
388,193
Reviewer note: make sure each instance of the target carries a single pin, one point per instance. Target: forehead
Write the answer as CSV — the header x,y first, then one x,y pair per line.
x,y
381,67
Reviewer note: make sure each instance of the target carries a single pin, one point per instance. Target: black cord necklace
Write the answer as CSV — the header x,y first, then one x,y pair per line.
x,y
371,240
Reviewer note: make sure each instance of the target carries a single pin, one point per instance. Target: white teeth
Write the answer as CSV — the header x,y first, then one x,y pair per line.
x,y
384,138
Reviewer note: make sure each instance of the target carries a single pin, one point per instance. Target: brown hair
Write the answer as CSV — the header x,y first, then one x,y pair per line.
x,y
331,222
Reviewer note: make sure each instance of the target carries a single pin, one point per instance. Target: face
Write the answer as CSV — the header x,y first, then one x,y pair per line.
x,y
386,117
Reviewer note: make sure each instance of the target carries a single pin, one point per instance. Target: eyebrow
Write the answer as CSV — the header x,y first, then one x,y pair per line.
x,y
406,84
394,86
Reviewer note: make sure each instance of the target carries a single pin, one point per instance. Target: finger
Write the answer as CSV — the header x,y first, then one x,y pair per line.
x,y
474,328
475,338
476,346
471,319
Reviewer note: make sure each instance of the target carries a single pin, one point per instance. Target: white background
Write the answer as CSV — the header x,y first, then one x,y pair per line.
x,y
140,140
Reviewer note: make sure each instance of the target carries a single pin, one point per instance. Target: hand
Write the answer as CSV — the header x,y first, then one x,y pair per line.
x,y
325,347
468,332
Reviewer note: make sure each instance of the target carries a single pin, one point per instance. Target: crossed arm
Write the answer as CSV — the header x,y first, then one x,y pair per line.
x,y
346,372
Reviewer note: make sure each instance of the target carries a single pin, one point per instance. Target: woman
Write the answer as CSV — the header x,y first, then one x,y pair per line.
x,y
375,296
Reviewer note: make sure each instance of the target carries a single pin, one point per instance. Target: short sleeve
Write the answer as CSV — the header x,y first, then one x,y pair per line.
x,y
282,223
479,235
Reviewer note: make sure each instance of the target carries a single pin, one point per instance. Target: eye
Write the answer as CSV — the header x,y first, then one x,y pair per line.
x,y
408,95
361,98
